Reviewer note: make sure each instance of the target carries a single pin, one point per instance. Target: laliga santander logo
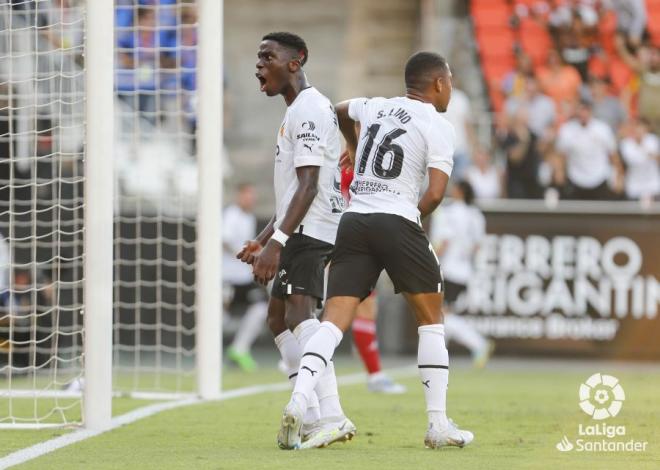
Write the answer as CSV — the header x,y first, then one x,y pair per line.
x,y
601,396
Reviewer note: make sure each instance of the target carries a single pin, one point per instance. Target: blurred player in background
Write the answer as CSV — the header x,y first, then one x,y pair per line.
x,y
240,224
295,246
456,231
402,140
365,338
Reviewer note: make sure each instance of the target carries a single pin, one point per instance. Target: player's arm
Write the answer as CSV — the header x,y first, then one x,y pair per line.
x,y
433,195
439,162
266,263
347,128
267,232
253,247
619,171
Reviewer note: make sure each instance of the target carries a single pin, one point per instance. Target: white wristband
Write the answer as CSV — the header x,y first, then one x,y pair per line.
x,y
280,237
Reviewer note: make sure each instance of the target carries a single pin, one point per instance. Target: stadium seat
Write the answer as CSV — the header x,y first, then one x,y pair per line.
x,y
491,14
496,41
534,40
607,31
653,21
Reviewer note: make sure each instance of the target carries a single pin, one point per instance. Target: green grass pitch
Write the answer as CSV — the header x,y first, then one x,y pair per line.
x,y
518,415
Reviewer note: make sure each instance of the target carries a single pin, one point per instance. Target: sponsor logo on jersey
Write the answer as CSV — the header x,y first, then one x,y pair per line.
x,y
308,125
308,137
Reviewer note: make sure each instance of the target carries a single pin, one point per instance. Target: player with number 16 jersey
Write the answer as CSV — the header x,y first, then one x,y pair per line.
x,y
401,140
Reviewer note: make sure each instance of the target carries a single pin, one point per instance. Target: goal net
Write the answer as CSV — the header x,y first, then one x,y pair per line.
x,y
156,184
42,204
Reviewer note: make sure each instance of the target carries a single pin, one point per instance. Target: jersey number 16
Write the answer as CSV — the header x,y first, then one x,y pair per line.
x,y
386,146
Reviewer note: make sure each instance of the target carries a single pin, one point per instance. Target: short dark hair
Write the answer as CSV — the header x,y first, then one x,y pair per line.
x,y
468,192
243,185
419,68
291,41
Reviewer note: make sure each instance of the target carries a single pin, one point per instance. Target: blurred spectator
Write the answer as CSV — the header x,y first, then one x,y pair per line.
x,y
574,26
522,157
646,62
459,113
576,32
540,108
641,153
514,83
588,147
138,62
630,20
240,225
560,82
456,231
606,107
62,23
483,176
565,12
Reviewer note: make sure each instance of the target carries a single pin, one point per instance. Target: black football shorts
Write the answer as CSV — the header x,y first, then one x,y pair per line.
x,y
453,290
302,267
368,243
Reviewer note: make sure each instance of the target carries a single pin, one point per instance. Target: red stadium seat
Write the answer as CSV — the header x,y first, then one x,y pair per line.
x,y
498,41
497,69
535,40
607,32
653,22
491,14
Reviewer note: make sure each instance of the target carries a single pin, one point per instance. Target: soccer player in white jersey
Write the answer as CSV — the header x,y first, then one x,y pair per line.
x,y
295,246
401,139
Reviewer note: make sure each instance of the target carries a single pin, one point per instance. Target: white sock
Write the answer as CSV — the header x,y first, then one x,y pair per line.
x,y
291,351
327,392
457,329
316,355
433,364
251,325
305,330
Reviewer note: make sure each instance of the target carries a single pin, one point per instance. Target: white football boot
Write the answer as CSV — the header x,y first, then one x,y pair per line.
x,y
332,429
309,429
450,436
381,383
292,420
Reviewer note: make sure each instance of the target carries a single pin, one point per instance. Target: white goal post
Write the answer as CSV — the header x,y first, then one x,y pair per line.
x,y
99,185
117,265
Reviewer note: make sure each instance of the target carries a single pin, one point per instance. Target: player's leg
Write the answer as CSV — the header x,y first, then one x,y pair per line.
x,y
413,267
317,373
353,273
251,325
291,352
457,329
433,365
302,277
366,343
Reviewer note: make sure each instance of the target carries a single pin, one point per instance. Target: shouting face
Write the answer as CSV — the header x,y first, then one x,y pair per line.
x,y
275,64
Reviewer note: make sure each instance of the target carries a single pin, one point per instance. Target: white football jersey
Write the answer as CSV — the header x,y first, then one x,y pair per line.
x,y
463,227
309,136
399,139
237,227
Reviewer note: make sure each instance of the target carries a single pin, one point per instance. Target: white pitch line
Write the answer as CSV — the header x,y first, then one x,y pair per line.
x,y
43,448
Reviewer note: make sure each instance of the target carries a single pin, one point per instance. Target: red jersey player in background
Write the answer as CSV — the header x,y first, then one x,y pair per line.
x,y
364,326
